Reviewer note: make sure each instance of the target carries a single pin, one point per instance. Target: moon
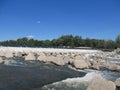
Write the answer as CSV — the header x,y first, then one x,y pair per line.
x,y
38,21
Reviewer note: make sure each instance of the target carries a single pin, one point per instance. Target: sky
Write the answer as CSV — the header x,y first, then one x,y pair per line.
x,y
48,19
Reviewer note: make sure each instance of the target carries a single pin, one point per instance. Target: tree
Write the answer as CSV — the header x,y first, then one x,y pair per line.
x,y
88,42
118,41
66,40
77,41
22,41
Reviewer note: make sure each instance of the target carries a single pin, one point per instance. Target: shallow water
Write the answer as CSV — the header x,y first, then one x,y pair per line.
x,y
79,83
33,75
18,74
109,75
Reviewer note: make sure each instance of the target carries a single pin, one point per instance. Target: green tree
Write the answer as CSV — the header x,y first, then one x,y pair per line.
x,y
22,41
118,41
88,42
77,41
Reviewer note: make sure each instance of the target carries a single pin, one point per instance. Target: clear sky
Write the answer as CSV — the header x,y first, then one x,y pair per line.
x,y
48,19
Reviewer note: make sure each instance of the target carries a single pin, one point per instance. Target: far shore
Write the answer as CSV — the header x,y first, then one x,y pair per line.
x,y
36,49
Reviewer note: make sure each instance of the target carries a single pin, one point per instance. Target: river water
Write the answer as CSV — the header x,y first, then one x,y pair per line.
x,y
21,75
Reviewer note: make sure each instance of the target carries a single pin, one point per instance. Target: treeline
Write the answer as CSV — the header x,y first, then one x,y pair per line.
x,y
67,41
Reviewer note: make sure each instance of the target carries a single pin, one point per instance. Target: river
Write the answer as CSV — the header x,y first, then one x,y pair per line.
x,y
22,75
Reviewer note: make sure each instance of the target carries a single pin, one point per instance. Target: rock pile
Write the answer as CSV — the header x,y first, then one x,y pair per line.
x,y
80,60
117,50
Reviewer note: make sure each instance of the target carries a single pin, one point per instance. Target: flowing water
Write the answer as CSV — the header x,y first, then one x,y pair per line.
x,y
21,75
32,75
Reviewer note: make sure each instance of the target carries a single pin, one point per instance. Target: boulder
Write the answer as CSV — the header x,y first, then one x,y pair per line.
x,y
42,57
9,54
88,62
95,65
117,82
112,66
18,54
2,54
80,63
99,83
117,50
30,56
118,68
68,59
56,60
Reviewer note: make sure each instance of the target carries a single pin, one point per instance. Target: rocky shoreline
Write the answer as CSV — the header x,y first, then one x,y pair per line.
x,y
79,59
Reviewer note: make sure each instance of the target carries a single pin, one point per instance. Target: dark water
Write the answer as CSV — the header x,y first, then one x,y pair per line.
x,y
21,75
33,75
109,75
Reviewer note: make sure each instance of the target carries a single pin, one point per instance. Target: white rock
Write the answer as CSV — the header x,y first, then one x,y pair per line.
x,y
56,60
117,82
99,83
42,57
9,54
18,54
80,63
30,56
2,54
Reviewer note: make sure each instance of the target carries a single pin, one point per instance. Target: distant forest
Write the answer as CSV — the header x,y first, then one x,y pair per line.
x,y
65,41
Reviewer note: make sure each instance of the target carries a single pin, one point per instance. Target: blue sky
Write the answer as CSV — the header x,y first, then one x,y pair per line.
x,y
48,19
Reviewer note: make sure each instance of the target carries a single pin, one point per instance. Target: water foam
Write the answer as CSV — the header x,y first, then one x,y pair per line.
x,y
71,83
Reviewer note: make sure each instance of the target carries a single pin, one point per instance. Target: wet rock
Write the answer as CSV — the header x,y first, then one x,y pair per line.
x,y
99,83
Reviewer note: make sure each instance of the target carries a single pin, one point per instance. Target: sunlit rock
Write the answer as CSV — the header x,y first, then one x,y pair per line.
x,y
30,56
80,63
9,54
99,83
117,82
